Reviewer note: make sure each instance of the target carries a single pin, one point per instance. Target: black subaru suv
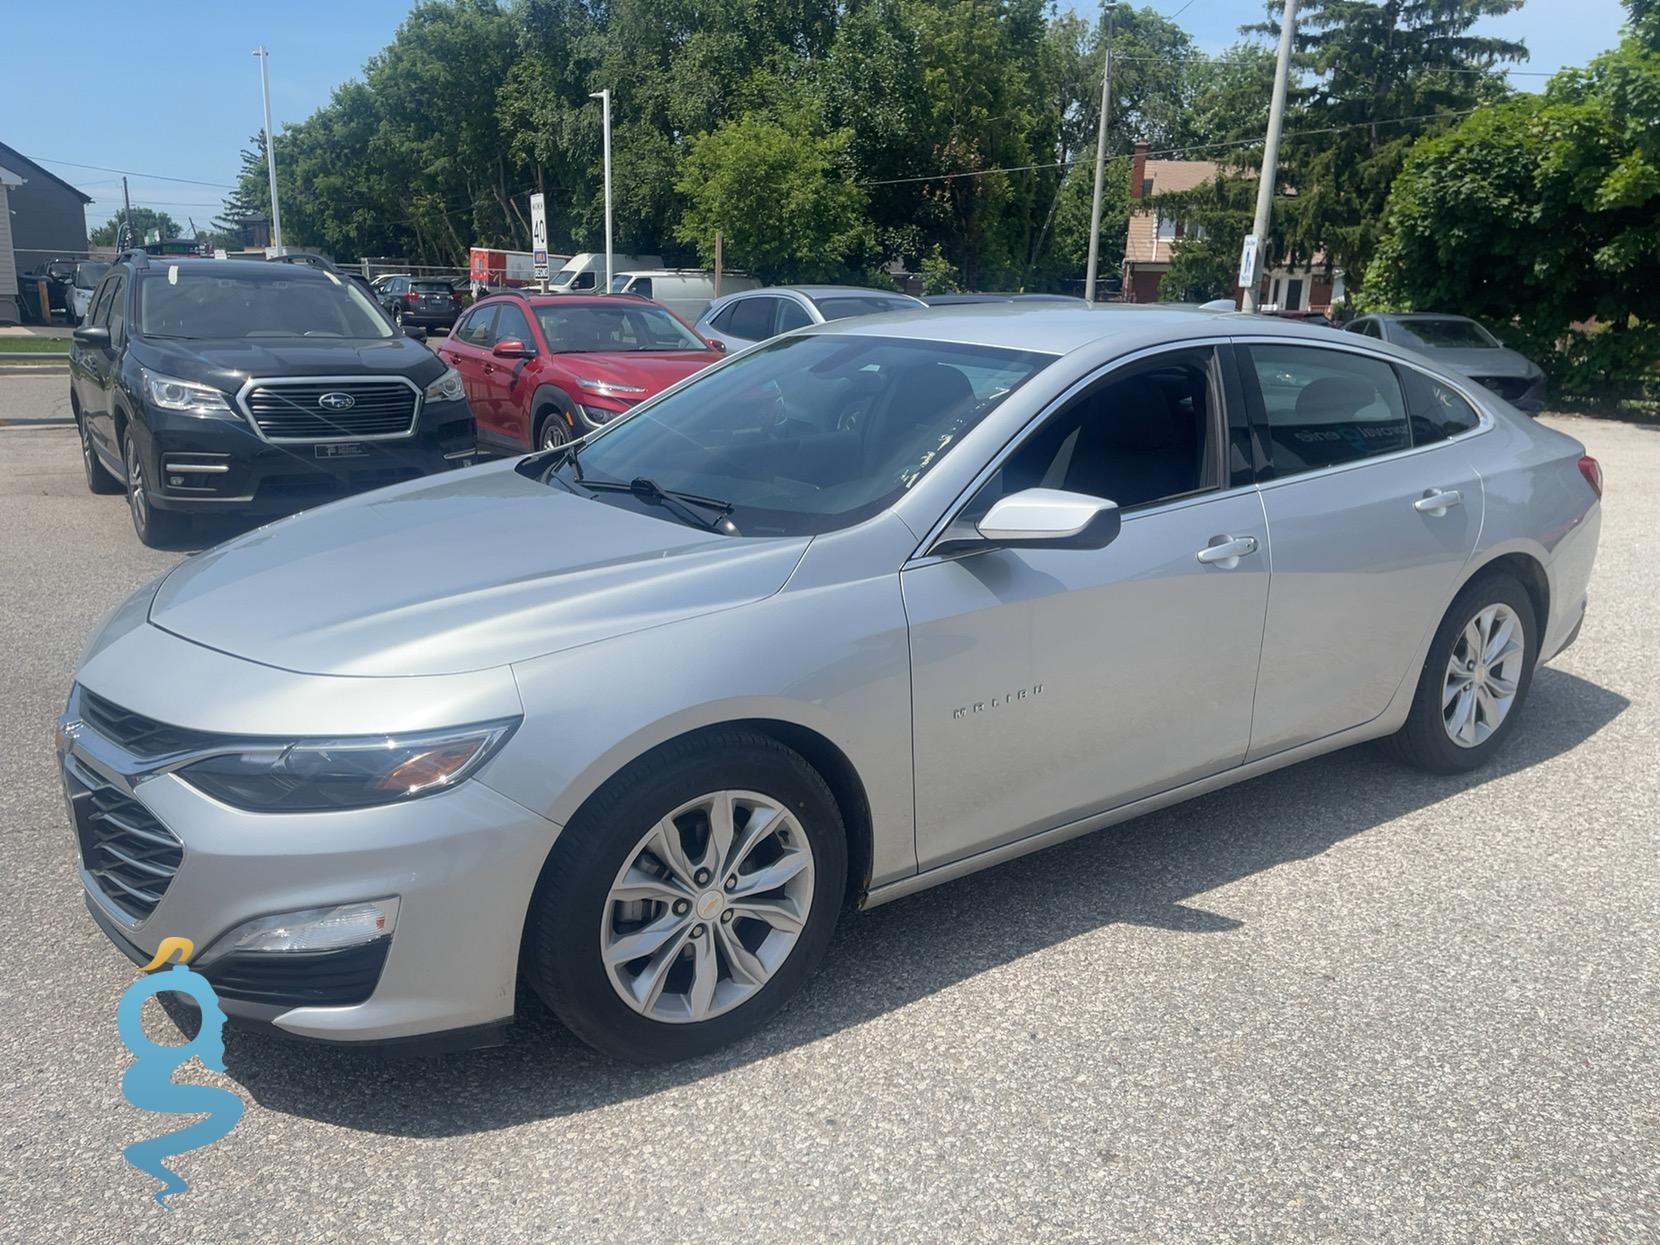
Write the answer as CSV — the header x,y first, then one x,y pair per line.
x,y
205,385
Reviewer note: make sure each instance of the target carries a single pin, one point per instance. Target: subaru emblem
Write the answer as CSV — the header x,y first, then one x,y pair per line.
x,y
337,401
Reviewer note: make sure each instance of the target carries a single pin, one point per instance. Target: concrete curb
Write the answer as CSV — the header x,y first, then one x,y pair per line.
x,y
33,369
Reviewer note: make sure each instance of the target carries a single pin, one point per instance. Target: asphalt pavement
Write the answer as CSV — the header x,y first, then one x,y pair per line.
x,y
1345,1002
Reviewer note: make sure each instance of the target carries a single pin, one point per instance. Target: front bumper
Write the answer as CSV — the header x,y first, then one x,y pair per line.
x,y
462,864
207,465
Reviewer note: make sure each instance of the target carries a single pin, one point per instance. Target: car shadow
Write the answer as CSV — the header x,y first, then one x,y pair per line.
x,y
1143,872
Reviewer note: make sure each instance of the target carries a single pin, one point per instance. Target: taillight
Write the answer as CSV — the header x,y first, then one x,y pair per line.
x,y
412,297
1591,469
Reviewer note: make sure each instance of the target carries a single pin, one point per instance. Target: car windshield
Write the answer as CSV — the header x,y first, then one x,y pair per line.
x,y
841,306
88,273
807,434
563,277
629,327
1466,334
201,300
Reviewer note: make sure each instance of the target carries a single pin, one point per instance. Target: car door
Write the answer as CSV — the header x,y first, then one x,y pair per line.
x,y
97,367
504,401
465,350
1050,684
1370,530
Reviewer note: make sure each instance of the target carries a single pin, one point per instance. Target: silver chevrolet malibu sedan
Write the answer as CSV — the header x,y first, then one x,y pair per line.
x,y
855,612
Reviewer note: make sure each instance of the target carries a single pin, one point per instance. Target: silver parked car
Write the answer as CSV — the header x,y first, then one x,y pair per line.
x,y
742,319
850,614
1464,346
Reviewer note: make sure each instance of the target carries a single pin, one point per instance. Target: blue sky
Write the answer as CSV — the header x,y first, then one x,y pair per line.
x,y
181,99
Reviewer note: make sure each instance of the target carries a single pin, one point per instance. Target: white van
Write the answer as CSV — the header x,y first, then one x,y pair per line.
x,y
685,291
585,273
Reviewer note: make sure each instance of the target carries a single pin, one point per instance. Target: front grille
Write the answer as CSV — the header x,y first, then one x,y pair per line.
x,y
382,408
143,737
300,978
1507,387
129,854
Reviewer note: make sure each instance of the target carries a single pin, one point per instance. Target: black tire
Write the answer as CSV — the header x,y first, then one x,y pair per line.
x,y
562,935
98,477
159,529
1424,741
552,430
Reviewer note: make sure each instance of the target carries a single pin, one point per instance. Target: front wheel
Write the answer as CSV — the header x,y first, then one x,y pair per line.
x,y
1477,675
552,432
156,528
689,899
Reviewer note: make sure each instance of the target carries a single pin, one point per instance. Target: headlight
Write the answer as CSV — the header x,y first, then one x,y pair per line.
x,y
447,388
186,396
608,386
316,775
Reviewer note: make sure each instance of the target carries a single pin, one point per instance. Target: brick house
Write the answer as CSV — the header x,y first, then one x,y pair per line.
x,y
1152,238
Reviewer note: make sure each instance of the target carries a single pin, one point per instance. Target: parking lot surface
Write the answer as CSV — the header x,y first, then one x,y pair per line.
x,y
1345,1002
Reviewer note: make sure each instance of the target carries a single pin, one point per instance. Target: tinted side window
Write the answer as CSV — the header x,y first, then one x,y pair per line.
x,y
476,330
1438,411
641,286
1147,434
792,315
752,318
117,310
1326,407
100,313
512,325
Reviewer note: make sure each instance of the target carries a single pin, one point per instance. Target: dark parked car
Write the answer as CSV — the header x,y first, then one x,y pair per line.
x,y
207,386
418,302
1462,344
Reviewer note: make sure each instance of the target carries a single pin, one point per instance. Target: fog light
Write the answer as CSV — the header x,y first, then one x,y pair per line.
x,y
314,929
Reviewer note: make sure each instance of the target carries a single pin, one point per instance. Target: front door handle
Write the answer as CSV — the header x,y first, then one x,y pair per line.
x,y
1437,502
1225,551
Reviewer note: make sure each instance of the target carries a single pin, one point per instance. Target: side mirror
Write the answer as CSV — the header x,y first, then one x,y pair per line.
x,y
511,348
97,337
415,331
1038,518
715,343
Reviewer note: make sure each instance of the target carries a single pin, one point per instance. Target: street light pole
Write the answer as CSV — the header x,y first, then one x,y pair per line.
x,y
1100,160
270,149
604,98
1271,152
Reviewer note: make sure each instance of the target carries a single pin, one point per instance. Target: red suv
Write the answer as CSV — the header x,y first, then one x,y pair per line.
x,y
539,370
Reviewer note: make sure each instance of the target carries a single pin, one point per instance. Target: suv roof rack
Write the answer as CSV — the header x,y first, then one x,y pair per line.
x,y
309,258
139,256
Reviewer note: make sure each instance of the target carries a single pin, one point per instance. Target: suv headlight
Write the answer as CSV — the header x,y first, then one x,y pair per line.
x,y
317,775
447,388
186,397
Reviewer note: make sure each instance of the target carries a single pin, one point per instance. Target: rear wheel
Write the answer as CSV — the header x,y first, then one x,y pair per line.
x,y
156,528
1477,674
98,477
689,899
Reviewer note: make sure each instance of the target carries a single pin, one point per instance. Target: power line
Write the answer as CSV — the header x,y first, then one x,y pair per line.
x,y
1240,60
1173,151
155,177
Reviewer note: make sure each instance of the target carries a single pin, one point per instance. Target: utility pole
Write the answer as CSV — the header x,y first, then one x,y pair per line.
x,y
1100,159
1271,154
128,230
270,149
604,98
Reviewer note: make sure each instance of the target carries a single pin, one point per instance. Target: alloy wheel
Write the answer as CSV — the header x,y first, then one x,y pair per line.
x,y
136,496
553,431
88,457
1483,674
707,907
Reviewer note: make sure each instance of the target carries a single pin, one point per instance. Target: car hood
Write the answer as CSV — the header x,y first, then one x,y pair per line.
x,y
459,572
652,370
1474,361
228,362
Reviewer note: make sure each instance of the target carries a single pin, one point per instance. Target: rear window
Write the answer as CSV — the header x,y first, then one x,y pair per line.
x,y
201,300
841,307
432,287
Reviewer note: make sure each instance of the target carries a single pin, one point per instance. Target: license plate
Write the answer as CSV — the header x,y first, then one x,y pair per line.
x,y
347,450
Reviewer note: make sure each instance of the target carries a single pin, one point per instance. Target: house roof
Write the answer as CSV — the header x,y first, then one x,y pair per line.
x,y
1142,245
9,178
15,159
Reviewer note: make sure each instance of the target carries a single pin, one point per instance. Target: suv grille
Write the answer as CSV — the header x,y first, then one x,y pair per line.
x,y
381,408
130,855
139,735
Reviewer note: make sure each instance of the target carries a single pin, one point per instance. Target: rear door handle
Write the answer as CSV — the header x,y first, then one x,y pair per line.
x,y
1437,501
1225,551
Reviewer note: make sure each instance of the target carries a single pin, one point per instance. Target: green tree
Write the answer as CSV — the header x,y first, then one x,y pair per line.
x,y
1542,215
143,220
1212,218
781,197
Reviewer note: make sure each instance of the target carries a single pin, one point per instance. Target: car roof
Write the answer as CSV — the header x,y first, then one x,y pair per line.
x,y
1060,328
568,300
1422,315
828,291
241,268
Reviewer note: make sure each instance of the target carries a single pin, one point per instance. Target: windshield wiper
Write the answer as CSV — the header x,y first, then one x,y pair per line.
x,y
650,492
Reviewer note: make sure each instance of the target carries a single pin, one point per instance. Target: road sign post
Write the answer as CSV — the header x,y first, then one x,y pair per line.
x,y
539,238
